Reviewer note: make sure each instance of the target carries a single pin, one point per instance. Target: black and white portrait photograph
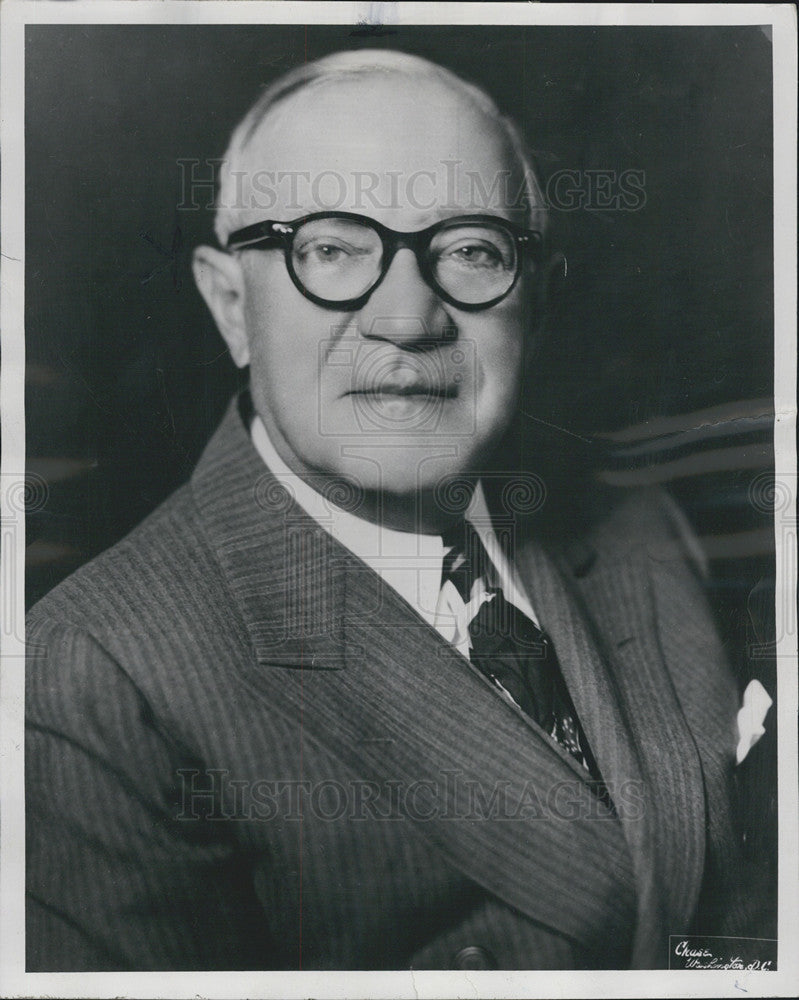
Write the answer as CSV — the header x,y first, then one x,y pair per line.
x,y
399,526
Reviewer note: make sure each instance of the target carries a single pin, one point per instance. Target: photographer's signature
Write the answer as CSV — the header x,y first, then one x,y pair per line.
x,y
694,956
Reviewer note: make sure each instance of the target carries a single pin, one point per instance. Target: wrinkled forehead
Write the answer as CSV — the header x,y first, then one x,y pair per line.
x,y
402,149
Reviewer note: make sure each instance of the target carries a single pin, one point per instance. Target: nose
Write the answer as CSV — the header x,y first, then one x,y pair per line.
x,y
404,309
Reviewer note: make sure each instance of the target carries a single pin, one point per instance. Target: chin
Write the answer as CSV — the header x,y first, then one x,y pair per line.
x,y
405,469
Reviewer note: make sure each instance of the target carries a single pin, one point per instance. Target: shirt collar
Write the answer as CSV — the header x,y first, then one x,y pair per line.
x,y
407,561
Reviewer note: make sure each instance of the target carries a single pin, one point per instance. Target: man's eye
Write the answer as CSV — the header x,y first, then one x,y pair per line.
x,y
326,252
323,252
318,252
477,254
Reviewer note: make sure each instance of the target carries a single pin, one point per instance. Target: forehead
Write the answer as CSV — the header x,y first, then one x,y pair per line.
x,y
383,145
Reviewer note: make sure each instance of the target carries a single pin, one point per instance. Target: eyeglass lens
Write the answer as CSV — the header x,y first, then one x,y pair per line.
x,y
339,259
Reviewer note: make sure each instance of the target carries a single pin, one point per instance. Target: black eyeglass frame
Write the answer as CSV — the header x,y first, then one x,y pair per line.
x,y
272,234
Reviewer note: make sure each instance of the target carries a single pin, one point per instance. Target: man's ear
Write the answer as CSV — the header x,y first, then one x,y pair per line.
x,y
551,281
554,276
219,278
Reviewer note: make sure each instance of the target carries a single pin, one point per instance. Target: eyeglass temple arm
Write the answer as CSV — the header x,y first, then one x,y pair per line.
x,y
260,232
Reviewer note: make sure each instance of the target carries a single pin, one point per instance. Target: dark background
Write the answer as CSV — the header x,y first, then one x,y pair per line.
x,y
667,310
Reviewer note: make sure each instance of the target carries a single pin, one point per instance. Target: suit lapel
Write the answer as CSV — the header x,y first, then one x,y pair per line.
x,y
607,726
277,561
387,696
668,843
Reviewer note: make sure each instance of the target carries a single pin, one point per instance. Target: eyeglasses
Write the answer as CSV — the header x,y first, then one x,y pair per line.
x,y
337,259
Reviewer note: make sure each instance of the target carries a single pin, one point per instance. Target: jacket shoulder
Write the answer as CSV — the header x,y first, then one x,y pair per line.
x,y
162,566
651,519
613,524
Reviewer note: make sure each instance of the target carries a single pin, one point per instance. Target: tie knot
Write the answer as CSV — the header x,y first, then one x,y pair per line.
x,y
466,559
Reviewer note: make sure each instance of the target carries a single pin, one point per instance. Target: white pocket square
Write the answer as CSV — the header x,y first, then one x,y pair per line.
x,y
756,704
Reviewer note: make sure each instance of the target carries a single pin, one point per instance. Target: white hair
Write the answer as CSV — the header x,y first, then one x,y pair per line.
x,y
342,66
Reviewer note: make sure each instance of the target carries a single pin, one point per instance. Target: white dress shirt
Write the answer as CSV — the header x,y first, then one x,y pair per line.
x,y
409,562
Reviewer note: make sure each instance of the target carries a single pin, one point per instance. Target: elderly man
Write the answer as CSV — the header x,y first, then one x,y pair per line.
x,y
359,695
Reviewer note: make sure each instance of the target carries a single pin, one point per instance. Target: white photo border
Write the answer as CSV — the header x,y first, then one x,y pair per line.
x,y
14,981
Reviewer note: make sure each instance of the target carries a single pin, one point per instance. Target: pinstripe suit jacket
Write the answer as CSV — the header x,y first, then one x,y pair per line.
x,y
244,753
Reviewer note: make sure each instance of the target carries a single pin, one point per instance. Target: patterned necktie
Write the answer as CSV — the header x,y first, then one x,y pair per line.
x,y
510,650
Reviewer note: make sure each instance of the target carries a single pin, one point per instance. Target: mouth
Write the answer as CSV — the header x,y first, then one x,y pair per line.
x,y
403,388
385,395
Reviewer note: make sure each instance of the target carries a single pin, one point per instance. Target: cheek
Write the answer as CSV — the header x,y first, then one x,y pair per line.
x,y
499,354
285,337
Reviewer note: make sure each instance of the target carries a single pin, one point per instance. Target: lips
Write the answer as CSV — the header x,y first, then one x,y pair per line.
x,y
384,392
404,382
408,388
